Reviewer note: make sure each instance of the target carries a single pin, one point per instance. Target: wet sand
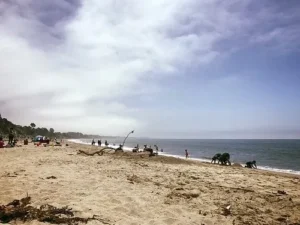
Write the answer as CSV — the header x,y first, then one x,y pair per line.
x,y
133,188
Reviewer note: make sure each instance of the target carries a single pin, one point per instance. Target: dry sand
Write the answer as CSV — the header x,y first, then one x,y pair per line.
x,y
133,188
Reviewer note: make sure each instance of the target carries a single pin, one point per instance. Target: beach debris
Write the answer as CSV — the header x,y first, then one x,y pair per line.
x,y
100,152
181,193
22,211
226,210
194,177
281,192
90,154
51,177
10,175
134,179
282,219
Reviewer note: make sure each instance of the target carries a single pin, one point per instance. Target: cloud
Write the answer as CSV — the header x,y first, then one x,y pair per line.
x,y
69,64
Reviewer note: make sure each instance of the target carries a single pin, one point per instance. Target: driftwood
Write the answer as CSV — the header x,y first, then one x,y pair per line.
x,y
22,211
100,152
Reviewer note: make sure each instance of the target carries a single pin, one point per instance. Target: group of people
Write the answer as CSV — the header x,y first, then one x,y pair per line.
x,y
100,142
11,139
250,164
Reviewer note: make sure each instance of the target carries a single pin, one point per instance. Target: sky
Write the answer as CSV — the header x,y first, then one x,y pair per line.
x,y
165,68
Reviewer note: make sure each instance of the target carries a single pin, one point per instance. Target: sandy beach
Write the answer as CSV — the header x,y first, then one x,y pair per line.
x,y
133,188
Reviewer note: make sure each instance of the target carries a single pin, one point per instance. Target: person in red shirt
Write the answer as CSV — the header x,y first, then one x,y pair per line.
x,y
1,142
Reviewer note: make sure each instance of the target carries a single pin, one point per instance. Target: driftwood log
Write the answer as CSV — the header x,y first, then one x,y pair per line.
x,y
100,152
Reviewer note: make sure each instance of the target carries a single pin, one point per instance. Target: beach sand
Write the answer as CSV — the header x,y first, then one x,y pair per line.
x,y
133,188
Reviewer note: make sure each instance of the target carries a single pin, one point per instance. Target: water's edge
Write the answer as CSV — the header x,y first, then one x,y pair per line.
x,y
129,149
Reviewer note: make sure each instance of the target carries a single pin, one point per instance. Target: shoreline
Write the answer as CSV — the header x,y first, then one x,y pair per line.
x,y
196,161
263,168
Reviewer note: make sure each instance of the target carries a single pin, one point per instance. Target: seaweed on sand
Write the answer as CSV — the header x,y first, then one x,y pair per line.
x,y
22,211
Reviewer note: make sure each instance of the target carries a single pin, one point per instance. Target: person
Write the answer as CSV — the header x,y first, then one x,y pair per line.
x,y
136,148
120,148
251,165
93,142
99,143
162,150
11,136
186,154
106,143
1,142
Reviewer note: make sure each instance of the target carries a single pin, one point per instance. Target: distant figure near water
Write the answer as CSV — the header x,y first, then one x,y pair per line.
x,y
106,143
148,149
136,148
251,165
93,142
186,154
120,148
156,148
99,143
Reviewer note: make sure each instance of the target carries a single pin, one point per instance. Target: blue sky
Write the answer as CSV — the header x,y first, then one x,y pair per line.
x,y
169,69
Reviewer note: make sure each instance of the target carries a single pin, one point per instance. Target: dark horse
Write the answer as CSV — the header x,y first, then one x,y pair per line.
x,y
224,159
215,158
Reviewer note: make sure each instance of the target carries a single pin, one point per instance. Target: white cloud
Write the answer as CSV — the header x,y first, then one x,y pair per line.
x,y
109,50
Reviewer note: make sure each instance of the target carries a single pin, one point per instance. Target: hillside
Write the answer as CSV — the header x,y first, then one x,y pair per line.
x,y
32,130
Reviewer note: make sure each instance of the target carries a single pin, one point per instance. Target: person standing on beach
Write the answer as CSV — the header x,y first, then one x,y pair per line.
x,y
1,142
156,148
11,136
186,154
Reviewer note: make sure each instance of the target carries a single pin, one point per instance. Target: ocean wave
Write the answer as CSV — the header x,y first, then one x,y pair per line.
x,y
129,149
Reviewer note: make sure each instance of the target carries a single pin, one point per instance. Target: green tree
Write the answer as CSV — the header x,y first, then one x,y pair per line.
x,y
32,125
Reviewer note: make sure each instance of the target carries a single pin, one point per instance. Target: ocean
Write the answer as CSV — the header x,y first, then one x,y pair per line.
x,y
274,155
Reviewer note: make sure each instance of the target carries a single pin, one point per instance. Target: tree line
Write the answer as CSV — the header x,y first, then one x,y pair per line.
x,y
32,130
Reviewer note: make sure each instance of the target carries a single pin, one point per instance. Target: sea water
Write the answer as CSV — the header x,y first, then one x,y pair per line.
x,y
275,155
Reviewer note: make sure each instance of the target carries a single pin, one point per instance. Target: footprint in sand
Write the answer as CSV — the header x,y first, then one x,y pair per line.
x,y
120,209
115,201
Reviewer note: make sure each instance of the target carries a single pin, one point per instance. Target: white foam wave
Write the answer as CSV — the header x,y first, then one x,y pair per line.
x,y
129,149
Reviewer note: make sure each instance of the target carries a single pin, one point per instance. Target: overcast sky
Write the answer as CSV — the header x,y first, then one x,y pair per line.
x,y
166,68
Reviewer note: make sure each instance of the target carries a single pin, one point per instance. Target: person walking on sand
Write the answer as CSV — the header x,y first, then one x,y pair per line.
x,y
186,154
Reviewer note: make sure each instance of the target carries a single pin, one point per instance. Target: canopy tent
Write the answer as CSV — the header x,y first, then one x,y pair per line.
x,y
38,138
